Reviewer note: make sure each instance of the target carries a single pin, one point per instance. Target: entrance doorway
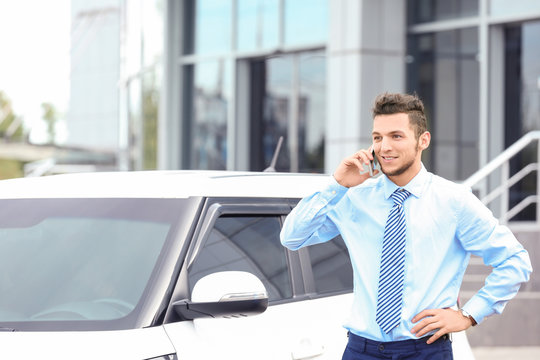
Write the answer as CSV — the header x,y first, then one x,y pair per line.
x,y
288,98
522,104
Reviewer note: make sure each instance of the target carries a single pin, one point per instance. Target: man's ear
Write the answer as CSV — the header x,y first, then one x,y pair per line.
x,y
425,139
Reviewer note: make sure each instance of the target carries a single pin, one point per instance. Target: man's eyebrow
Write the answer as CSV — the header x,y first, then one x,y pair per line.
x,y
390,133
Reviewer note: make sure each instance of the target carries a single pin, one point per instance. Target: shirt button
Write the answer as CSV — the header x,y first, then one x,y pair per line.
x,y
381,347
333,192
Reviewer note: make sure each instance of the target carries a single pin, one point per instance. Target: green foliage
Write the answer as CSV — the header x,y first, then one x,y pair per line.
x,y
50,115
150,108
10,169
7,118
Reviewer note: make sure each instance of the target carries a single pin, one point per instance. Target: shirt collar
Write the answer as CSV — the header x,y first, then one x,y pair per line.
x,y
416,186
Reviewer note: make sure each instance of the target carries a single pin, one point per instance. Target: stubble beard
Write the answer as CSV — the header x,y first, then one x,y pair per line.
x,y
402,169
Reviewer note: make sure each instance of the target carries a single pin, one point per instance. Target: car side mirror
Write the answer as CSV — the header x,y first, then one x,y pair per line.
x,y
227,294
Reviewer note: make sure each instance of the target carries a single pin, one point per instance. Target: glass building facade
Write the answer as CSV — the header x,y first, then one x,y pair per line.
x,y
270,52
214,84
476,64
141,82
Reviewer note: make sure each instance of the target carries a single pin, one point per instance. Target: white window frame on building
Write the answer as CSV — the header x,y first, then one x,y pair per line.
x,y
222,119
365,55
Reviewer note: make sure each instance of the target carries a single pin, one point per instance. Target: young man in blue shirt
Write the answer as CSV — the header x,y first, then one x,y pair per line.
x,y
410,235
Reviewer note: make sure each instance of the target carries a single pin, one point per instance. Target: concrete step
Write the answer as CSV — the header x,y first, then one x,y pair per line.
x,y
507,353
519,324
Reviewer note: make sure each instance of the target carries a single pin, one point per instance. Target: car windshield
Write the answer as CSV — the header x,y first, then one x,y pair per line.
x,y
77,260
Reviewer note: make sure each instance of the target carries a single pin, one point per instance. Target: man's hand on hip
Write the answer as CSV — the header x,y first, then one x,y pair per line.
x,y
444,321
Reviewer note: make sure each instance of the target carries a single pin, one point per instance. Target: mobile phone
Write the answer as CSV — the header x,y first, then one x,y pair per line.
x,y
374,163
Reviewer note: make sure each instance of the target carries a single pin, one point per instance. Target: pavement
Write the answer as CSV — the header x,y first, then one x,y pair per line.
x,y
507,353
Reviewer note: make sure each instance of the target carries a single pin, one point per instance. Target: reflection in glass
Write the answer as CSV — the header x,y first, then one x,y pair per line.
x,y
213,26
143,52
258,22
244,243
294,104
151,84
276,111
443,71
420,11
305,23
152,31
312,112
331,265
207,119
135,120
143,111
514,7
68,260
522,105
132,38
530,76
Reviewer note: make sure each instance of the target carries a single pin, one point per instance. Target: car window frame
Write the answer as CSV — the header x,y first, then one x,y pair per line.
x,y
215,207
307,269
150,305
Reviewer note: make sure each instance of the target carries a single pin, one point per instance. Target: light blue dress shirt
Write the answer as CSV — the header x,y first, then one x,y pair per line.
x,y
445,224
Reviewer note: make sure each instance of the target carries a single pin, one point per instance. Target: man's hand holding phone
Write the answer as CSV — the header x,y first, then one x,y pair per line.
x,y
357,168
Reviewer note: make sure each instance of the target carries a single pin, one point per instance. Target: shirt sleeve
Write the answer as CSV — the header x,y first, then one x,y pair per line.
x,y
308,223
481,234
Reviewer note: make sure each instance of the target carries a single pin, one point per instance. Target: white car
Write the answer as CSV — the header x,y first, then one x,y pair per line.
x,y
167,265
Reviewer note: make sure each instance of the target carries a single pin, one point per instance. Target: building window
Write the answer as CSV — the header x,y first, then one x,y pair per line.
x,y
522,105
305,24
288,99
514,7
287,92
207,101
258,25
443,71
421,11
142,77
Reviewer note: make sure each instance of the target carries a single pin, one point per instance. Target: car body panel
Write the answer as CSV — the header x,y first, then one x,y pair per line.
x,y
305,326
123,344
296,330
158,184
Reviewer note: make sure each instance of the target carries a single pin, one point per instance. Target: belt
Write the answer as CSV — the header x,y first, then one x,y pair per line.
x,y
362,343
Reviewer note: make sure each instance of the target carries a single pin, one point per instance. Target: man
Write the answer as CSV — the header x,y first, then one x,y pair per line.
x,y
410,235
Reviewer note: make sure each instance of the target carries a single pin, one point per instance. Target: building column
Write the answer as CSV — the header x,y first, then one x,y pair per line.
x,y
169,122
366,56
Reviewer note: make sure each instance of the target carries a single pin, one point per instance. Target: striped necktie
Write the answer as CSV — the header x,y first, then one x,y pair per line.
x,y
392,270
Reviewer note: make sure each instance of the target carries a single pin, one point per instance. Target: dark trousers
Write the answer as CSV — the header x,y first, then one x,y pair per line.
x,y
359,348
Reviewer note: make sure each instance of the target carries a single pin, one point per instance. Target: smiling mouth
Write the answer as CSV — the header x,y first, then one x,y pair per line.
x,y
388,158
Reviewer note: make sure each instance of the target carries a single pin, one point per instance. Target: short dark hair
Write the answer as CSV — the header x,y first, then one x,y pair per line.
x,y
388,103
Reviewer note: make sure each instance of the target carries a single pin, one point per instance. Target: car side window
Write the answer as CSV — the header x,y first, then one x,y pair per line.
x,y
246,243
331,266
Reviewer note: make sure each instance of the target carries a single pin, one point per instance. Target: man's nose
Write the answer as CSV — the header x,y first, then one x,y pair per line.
x,y
385,145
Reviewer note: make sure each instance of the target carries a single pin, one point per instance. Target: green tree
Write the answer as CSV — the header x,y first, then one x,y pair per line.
x,y
11,126
50,115
150,108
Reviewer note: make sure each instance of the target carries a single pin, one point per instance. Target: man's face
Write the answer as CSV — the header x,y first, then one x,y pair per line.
x,y
397,148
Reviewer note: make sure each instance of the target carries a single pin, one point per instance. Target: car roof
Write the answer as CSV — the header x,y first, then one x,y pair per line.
x,y
164,184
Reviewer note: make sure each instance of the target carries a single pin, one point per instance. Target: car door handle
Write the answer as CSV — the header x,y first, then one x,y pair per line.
x,y
307,349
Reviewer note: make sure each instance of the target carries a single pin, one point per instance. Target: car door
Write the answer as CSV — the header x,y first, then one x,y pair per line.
x,y
328,283
244,236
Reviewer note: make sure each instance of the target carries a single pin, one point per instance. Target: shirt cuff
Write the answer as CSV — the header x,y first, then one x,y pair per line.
x,y
334,191
478,308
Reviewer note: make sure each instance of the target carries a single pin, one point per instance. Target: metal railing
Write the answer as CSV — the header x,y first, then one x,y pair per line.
x,y
478,180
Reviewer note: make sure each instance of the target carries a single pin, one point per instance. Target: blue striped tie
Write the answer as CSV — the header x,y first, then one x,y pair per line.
x,y
392,270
